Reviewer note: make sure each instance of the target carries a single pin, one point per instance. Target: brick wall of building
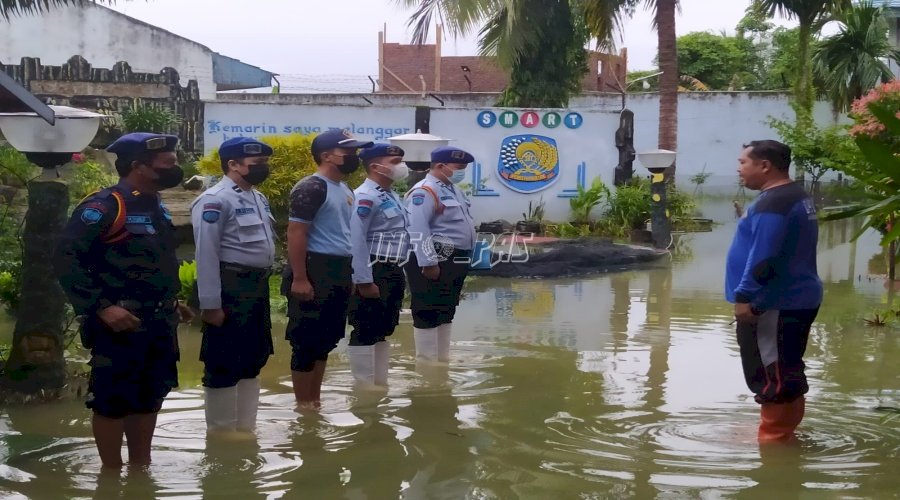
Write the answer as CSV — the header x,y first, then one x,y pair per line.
x,y
407,62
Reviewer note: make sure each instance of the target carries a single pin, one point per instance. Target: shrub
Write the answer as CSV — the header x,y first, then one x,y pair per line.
x,y
15,169
291,161
586,199
88,177
143,118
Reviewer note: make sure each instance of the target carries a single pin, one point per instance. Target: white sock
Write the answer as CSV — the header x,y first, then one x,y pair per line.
x,y
426,343
443,335
382,362
221,408
247,403
362,363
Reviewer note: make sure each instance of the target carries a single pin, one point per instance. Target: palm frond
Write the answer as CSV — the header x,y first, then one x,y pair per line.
x,y
10,8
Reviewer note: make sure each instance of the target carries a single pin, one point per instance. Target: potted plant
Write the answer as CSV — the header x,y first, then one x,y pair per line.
x,y
531,220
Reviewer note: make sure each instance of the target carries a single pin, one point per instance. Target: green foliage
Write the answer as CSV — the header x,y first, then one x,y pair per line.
x,y
535,211
9,8
149,118
586,199
628,208
699,179
277,302
187,275
291,161
719,61
853,61
89,177
15,169
652,84
548,66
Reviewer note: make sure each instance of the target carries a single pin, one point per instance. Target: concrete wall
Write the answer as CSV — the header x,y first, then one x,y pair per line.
x,y
712,128
104,37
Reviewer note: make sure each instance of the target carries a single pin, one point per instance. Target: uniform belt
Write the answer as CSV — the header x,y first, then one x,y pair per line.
x,y
148,306
241,270
391,261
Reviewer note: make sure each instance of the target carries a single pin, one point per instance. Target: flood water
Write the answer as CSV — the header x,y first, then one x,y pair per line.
x,y
616,386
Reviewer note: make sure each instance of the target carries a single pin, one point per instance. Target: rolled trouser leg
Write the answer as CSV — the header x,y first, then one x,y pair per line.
x,y
247,403
221,408
778,421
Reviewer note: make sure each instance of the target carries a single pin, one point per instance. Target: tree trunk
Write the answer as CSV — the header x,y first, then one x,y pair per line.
x,y
668,82
803,92
36,360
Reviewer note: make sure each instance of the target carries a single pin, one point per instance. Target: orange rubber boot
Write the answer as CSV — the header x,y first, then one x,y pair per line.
x,y
778,421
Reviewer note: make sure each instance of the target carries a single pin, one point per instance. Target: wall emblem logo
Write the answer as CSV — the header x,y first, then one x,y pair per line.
x,y
528,163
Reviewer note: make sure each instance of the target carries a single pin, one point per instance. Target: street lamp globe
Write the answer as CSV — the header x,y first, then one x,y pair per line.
x,y
417,148
47,145
657,160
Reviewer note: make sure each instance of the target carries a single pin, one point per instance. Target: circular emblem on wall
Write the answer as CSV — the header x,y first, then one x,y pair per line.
x,y
528,163
487,119
574,120
509,119
530,119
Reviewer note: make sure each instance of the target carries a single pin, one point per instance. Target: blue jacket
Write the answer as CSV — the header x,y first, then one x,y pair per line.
x,y
772,260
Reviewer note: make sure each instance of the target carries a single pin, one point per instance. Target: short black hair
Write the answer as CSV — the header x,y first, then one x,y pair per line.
x,y
776,153
123,165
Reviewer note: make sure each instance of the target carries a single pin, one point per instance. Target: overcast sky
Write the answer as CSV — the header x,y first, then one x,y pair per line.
x,y
340,37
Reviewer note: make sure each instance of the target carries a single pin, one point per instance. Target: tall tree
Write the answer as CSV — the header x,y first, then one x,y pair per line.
x,y
19,7
811,15
515,38
852,62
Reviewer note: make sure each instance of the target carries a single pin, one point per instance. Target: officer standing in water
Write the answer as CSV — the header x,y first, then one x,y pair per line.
x,y
235,251
116,262
443,234
380,247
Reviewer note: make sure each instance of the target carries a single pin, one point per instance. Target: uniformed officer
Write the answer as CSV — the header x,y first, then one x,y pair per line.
x,y
380,248
318,281
443,234
235,250
116,262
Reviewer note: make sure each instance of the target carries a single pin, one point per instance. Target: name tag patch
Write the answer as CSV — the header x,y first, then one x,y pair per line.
x,y
244,211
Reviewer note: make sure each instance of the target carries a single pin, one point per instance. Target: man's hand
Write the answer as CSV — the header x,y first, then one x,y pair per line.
x,y
302,289
432,272
118,319
744,313
214,317
368,290
185,314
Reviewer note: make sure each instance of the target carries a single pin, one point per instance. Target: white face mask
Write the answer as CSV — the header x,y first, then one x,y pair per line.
x,y
398,172
458,176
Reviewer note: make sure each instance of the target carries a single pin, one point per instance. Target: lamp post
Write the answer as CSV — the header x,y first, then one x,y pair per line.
x,y
36,360
657,161
417,150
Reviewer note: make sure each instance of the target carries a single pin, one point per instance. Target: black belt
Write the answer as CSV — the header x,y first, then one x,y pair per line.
x,y
148,306
256,273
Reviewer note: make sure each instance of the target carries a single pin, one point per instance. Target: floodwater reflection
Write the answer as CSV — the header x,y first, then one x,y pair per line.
x,y
621,385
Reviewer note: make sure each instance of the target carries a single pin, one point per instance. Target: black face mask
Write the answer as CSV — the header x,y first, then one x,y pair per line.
x,y
351,163
256,174
168,177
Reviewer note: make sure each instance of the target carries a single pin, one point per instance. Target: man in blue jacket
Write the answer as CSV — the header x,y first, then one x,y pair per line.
x,y
771,279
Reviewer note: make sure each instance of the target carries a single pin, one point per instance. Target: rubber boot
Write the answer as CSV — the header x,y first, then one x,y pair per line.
x,y
382,362
426,344
247,403
778,421
443,333
221,409
362,363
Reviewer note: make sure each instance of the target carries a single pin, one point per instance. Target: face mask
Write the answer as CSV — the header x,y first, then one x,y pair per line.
x,y
168,177
256,174
351,163
458,176
398,172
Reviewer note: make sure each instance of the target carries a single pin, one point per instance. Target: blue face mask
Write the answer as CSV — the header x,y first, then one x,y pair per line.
x,y
458,176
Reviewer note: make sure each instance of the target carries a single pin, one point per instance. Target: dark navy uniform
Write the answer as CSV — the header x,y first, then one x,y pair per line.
x,y
119,249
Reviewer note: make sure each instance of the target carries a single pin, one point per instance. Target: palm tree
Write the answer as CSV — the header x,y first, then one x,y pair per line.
x,y
603,19
19,7
852,62
811,16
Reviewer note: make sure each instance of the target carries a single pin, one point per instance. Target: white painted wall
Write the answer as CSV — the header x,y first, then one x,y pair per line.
x,y
227,120
712,129
104,37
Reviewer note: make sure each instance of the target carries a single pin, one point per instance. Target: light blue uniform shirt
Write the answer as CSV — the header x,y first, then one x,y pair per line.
x,y
377,227
438,212
326,206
